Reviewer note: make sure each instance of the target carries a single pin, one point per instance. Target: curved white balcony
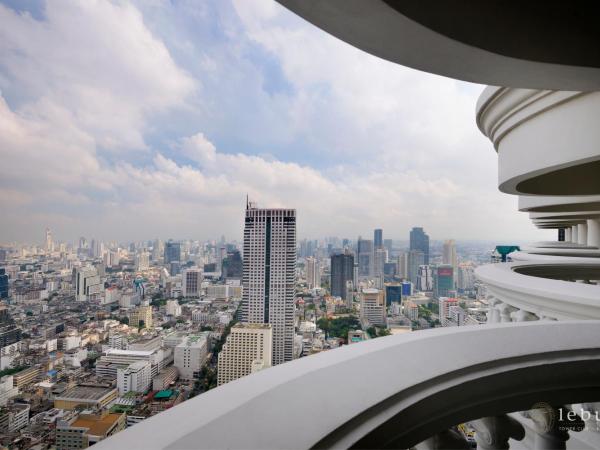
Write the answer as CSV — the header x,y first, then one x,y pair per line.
x,y
556,288
547,141
543,204
469,41
391,392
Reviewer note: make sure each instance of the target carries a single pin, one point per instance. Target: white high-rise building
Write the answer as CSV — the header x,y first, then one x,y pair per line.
x,y
425,278
403,265
136,377
142,261
49,241
379,259
313,273
372,307
190,356
247,350
269,275
191,280
86,282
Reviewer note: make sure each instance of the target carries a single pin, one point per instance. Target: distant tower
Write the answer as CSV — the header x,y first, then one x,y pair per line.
x,y
342,271
365,257
270,274
313,273
450,257
378,238
49,242
419,240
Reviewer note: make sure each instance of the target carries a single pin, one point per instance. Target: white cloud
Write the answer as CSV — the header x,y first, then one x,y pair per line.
x,y
95,61
90,81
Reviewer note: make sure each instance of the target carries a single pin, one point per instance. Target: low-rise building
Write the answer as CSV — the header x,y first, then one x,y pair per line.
x,y
248,349
190,356
85,429
89,396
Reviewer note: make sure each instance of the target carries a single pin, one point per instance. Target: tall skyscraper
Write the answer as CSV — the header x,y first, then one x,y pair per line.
x,y
416,258
269,275
49,242
365,257
3,284
172,252
313,273
403,265
379,258
342,271
232,265
419,240
378,238
443,281
450,257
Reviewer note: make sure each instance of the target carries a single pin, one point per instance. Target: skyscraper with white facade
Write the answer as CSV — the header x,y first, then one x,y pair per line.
x,y
313,273
269,275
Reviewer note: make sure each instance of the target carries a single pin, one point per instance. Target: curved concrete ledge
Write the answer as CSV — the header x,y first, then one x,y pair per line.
x,y
576,252
546,140
533,257
558,299
368,396
436,38
543,204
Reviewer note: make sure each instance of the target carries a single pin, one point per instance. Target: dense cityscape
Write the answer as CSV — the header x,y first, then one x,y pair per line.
x,y
98,336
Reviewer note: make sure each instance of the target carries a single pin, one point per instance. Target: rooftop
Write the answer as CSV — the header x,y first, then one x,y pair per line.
x,y
97,425
85,393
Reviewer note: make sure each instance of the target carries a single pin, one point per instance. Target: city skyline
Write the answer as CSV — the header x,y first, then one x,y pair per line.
x,y
219,103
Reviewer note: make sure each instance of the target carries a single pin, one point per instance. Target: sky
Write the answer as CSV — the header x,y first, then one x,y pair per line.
x,y
155,118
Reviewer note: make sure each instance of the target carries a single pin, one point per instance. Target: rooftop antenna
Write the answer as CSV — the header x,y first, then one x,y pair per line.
x,y
247,202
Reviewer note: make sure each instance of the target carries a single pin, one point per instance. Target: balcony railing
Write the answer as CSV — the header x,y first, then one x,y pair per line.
x,y
394,392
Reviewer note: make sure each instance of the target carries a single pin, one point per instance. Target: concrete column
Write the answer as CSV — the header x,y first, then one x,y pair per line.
x,y
593,232
505,312
574,234
567,235
582,233
523,316
493,433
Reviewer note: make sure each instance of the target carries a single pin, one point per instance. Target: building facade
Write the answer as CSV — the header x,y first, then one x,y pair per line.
x,y
270,274
247,350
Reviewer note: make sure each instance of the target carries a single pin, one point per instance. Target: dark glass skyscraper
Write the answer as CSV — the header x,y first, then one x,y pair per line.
x,y
172,252
419,240
365,257
3,284
342,271
9,332
378,238
232,265
443,282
